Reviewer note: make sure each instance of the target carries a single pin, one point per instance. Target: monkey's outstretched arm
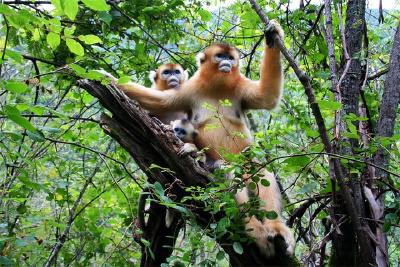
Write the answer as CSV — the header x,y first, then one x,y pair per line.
x,y
152,99
155,100
265,93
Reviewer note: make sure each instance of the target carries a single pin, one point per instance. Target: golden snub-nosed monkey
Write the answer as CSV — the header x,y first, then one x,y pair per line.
x,y
219,79
169,76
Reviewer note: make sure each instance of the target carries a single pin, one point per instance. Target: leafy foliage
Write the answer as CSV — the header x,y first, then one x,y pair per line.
x,y
60,170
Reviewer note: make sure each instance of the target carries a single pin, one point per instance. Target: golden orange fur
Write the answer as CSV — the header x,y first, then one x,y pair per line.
x,y
161,84
222,127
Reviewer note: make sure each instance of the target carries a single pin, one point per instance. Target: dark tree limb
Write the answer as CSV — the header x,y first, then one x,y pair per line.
x,y
151,143
349,202
386,122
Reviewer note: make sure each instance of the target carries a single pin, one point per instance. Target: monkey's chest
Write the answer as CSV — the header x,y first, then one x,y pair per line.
x,y
221,127
217,112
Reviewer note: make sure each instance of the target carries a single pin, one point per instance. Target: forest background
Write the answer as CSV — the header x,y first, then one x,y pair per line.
x,y
69,191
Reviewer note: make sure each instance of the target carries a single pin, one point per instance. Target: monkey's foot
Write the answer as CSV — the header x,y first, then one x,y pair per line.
x,y
272,28
276,230
257,230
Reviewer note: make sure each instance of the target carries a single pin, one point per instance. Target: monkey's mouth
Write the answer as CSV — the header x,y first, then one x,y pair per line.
x,y
173,83
225,67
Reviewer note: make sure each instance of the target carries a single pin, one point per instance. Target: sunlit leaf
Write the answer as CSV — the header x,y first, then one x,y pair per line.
x,y
237,247
98,5
53,40
89,39
16,87
14,115
70,8
75,47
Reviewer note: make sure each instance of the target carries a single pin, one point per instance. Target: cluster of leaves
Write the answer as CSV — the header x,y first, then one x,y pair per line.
x,y
63,176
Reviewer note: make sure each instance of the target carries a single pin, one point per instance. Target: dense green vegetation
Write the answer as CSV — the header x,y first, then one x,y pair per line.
x,y
65,185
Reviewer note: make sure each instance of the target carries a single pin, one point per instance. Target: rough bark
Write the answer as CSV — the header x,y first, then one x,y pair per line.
x,y
389,105
149,142
348,203
386,122
348,249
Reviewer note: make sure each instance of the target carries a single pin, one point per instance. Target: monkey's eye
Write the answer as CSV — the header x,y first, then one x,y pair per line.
x,y
177,72
219,55
166,72
231,58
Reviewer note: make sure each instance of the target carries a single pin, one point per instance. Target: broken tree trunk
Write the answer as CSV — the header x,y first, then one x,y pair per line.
x,y
150,142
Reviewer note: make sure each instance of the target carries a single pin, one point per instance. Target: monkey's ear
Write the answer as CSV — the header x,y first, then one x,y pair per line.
x,y
185,75
200,57
153,76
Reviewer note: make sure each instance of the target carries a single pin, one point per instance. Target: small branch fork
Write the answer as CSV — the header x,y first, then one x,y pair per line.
x,y
333,162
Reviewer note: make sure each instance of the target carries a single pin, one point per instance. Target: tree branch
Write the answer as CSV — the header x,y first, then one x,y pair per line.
x,y
334,162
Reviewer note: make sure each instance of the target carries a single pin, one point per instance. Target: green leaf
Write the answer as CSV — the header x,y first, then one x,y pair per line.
x,y
252,186
53,40
69,32
54,25
271,215
6,261
106,17
98,5
13,135
36,35
205,15
4,9
94,75
16,56
38,110
14,115
329,105
70,8
265,182
124,79
16,87
237,247
312,133
89,39
75,47
58,6
300,161
158,188
78,69
145,242
220,255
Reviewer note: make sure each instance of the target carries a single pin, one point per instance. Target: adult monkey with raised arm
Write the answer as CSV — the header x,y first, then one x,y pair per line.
x,y
217,79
